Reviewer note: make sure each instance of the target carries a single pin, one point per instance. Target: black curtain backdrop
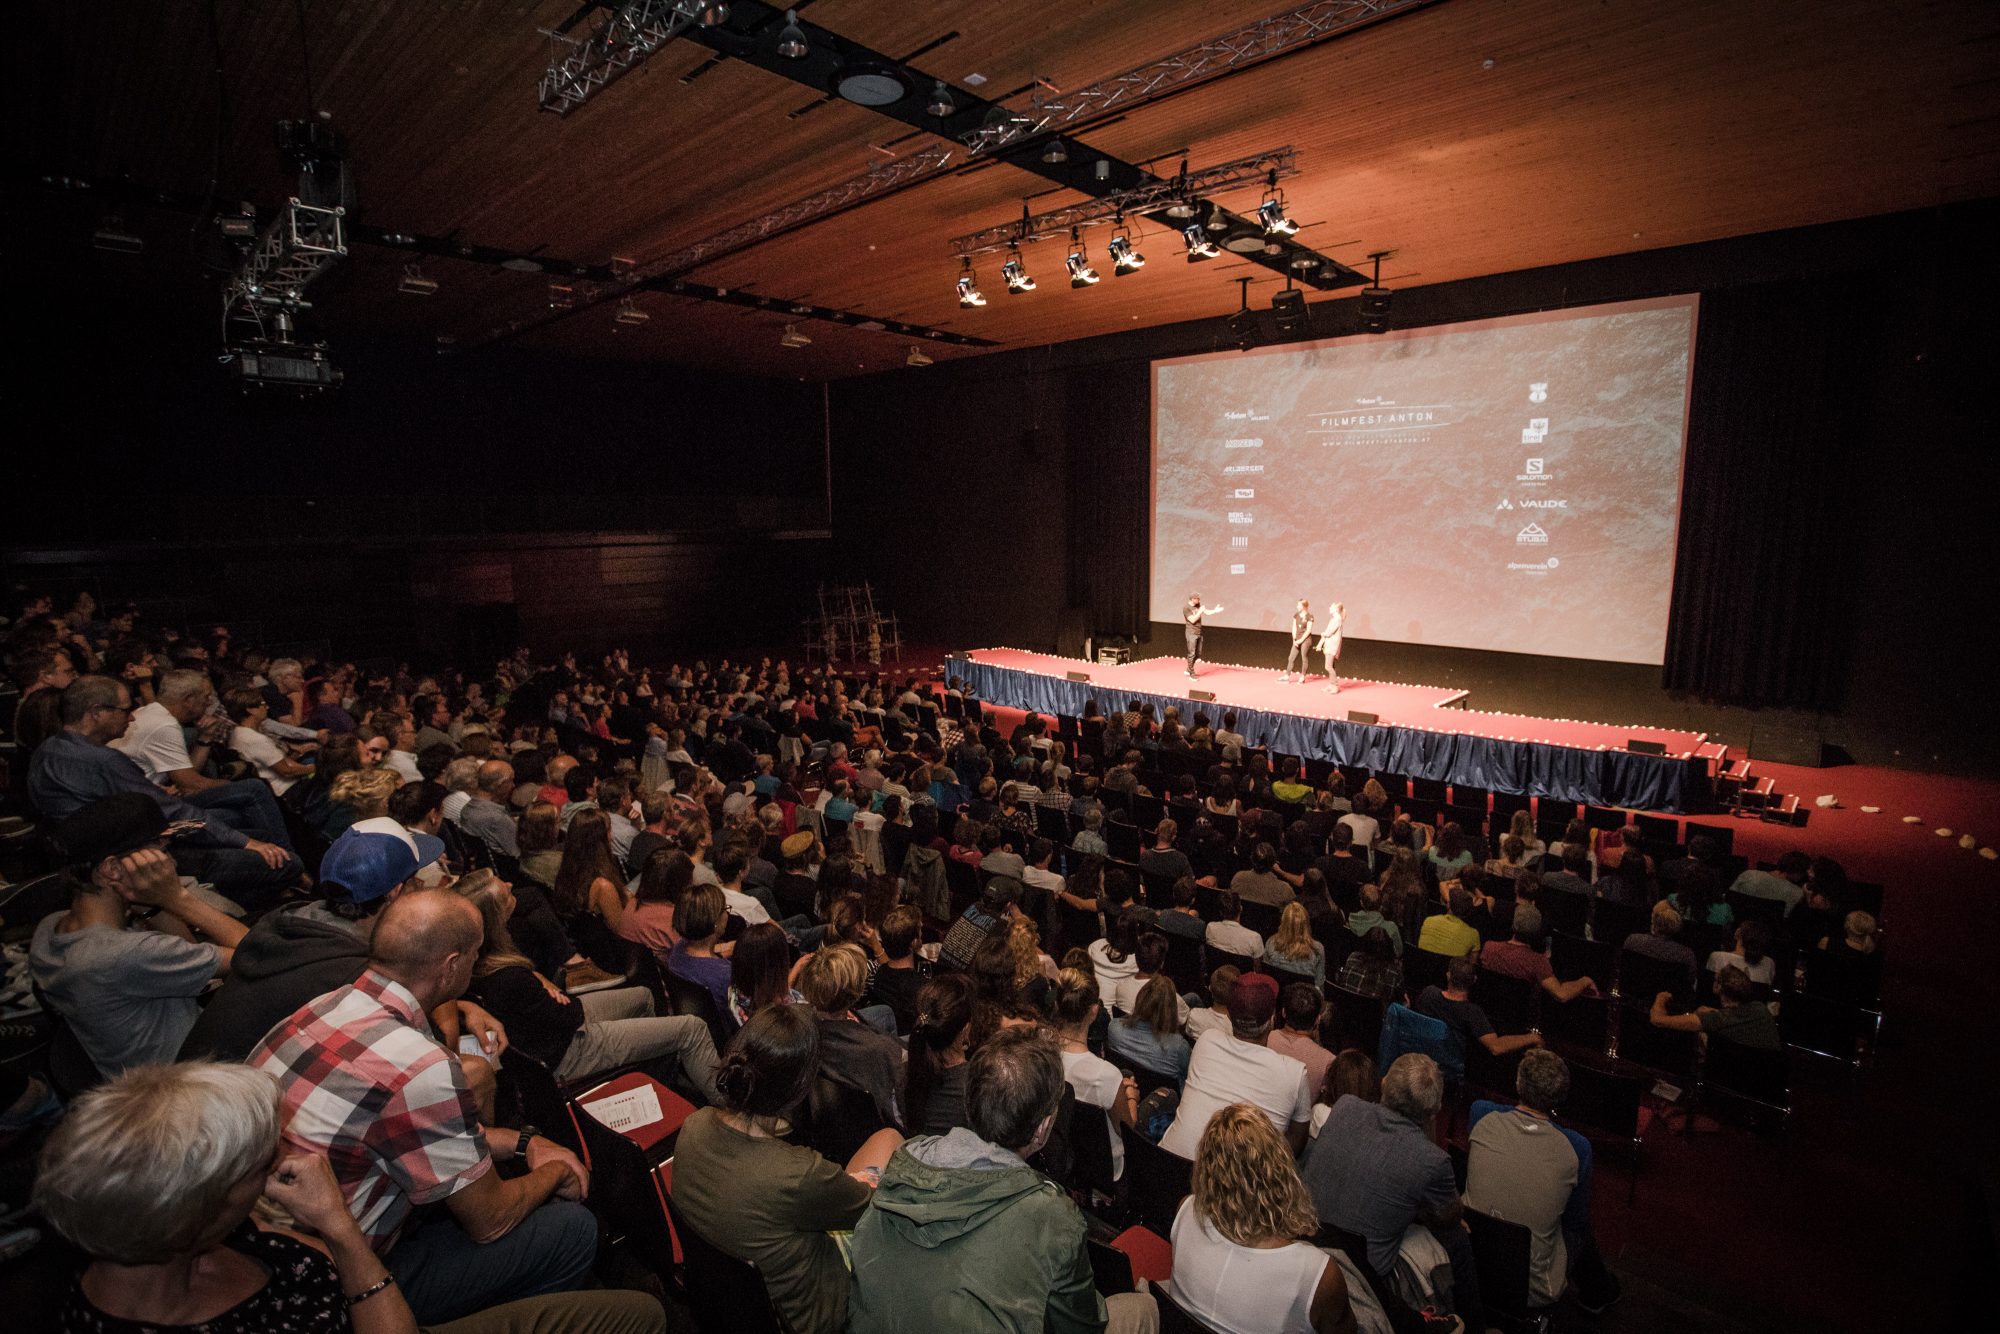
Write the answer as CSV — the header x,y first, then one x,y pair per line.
x,y
1765,532
1110,493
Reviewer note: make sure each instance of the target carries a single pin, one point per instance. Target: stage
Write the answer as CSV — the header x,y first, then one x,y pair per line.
x,y
1421,731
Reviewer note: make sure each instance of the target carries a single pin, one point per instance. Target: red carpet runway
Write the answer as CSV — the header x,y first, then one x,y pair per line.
x,y
1394,705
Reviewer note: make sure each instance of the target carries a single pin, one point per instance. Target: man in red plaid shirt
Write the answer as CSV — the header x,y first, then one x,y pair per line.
x,y
365,1081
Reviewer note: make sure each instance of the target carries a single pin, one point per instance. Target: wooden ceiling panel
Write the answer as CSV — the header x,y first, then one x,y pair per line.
x,y
1599,128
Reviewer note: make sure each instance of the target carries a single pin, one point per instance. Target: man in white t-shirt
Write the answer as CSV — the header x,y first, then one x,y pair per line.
x,y
1227,932
247,709
1239,1066
1365,828
156,742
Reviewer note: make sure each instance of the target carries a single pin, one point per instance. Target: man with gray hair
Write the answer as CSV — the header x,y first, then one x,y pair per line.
x,y
460,778
1375,1171
285,688
157,741
1525,1168
485,814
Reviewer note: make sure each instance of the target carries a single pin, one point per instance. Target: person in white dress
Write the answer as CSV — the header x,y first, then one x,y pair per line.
x,y
1242,1264
1329,644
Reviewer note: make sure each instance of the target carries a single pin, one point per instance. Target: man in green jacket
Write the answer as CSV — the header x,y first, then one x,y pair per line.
x,y
963,1235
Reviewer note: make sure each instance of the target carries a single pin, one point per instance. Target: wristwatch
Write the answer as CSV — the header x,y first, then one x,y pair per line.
x,y
526,1133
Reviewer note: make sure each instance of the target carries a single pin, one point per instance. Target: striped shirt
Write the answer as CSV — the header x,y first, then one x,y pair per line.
x,y
363,1080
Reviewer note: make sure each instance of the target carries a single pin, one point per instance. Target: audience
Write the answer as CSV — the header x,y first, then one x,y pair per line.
x,y
1464,1018
1293,947
1297,1036
1238,1065
1752,954
1522,957
940,1036
1741,1018
1227,932
852,1053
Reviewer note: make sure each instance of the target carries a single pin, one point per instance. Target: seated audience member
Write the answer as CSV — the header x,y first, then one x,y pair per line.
x,y
1372,970
1239,1066
1450,855
1574,878
1659,940
991,914
79,765
1151,1034
1182,919
304,950
698,921
364,1080
1114,960
577,1038
940,1035
247,709
1374,1170
1752,954
1820,914
963,1234
1352,1075
154,1177
1163,859
590,883
760,972
1214,1015
487,816
1786,885
1455,1008
1090,838
1294,948
749,1192
1297,1036
895,978
1450,933
1525,1168
851,1052
1850,966
1370,916
1244,1261
1095,1081
1741,1018
539,837
1522,957
649,919
1227,932
126,964
358,794
1260,882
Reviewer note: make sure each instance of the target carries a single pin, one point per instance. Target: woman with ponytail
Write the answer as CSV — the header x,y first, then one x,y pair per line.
x,y
934,1080
754,1196
1093,1079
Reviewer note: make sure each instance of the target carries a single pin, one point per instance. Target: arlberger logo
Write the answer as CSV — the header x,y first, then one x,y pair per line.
x,y
1532,536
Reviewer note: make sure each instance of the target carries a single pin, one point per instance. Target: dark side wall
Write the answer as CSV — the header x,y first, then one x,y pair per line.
x,y
1003,490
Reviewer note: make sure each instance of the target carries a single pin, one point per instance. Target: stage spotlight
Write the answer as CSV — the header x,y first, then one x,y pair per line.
x,y
941,104
629,313
969,295
1289,313
1078,263
793,338
1217,220
1272,211
1199,247
1016,273
1056,153
414,282
917,357
1124,259
792,38
1375,303
1181,209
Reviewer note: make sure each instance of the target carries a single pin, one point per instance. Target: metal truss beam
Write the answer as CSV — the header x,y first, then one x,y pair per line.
x,y
294,248
621,40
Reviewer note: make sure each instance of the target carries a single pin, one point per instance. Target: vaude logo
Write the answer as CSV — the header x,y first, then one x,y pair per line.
x,y
1532,536
1538,393
1505,504
1545,504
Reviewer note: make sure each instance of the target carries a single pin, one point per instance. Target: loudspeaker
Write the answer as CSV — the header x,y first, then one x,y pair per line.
x,y
1637,746
1206,696
1357,716
1078,676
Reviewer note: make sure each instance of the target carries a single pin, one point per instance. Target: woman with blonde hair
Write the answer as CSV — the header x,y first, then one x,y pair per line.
x,y
1293,946
1523,828
1241,1265
359,794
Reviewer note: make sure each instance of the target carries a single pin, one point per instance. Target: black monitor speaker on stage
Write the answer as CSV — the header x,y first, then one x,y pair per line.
x,y
1357,716
1637,746
1205,696
1078,676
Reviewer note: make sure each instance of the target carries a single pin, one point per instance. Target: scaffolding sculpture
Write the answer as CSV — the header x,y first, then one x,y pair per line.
x,y
850,630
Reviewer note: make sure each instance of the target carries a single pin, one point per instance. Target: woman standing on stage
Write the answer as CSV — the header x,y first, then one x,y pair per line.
x,y
1302,633
1193,613
1329,644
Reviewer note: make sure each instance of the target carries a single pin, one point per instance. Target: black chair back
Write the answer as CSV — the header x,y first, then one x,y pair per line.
x,y
625,1193
1077,926
1510,1002
1658,1049
1184,962
528,1085
839,1119
1823,1026
1582,1021
1748,1074
1563,911
1613,922
1751,908
1357,1019
1175,1318
1261,918
1502,1253
1603,1102
725,1294
1574,956
690,997
1422,968
1111,1268
1090,1132
1642,977
1218,957
1156,1181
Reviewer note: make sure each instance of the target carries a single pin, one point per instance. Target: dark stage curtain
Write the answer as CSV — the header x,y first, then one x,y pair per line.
x,y
1759,583
1108,424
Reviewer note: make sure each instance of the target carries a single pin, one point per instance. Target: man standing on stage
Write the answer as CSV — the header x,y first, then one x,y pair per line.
x,y
1329,644
1192,613
1302,633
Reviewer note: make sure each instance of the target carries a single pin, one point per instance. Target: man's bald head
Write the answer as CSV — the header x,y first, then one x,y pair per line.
x,y
496,779
559,767
428,940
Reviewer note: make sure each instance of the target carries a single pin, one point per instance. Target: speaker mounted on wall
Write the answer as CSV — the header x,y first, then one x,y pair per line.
x,y
1640,746
1205,696
1357,716
1078,676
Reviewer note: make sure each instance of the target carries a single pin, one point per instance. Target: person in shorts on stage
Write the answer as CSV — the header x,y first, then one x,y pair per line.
x,y
1329,644
1302,633
1193,613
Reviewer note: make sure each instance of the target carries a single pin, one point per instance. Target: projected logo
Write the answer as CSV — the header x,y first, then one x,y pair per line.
x,y
1239,542
1246,442
1237,468
1534,535
1536,473
1538,393
1239,516
1536,431
1244,493
1236,569
1505,504
1534,567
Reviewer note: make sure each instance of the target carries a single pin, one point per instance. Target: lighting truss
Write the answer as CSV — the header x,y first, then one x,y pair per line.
x,y
1151,197
622,39
298,245
1249,45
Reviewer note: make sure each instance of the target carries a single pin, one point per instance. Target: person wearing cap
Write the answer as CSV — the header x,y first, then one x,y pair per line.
x,y
78,766
125,964
1238,1065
